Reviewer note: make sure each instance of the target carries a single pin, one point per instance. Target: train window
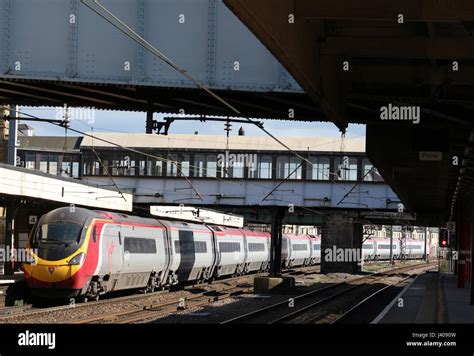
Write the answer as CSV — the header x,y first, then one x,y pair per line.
x,y
190,246
200,246
317,247
367,247
300,247
386,247
94,234
139,245
256,247
120,237
416,247
226,247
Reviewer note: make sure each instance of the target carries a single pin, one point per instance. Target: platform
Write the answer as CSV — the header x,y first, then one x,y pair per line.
x,y
432,298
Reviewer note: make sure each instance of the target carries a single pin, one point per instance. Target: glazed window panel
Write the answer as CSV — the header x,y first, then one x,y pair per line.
x,y
283,164
172,165
295,168
75,169
30,161
265,167
289,165
370,173
237,169
155,168
142,167
228,247
346,169
211,166
299,247
199,165
66,170
319,169
256,247
43,164
139,245
53,164
185,165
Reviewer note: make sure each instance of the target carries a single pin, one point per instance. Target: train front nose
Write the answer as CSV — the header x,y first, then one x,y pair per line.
x,y
51,274
53,281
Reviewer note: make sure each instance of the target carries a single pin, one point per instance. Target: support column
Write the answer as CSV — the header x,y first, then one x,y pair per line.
x,y
275,282
276,241
10,214
391,244
9,230
472,263
463,232
341,244
149,118
12,138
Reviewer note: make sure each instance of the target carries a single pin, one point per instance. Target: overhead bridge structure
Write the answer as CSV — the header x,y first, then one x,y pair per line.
x,y
56,52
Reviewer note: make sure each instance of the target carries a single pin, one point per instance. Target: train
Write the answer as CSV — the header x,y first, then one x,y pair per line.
x,y
84,253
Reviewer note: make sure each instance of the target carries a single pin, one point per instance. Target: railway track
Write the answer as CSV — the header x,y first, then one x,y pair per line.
x,y
199,300
219,287
298,307
155,310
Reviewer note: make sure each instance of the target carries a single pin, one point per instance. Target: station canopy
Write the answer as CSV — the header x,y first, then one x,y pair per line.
x,y
25,183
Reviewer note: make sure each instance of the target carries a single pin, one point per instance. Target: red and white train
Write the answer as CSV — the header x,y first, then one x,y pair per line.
x,y
88,253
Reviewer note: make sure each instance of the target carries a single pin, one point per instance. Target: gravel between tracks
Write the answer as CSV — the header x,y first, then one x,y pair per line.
x,y
212,313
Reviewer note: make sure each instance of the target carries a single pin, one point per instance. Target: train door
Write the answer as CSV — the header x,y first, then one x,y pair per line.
x,y
111,246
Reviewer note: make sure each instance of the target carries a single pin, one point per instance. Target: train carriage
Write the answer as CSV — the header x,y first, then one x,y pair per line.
x,y
230,251
192,252
258,251
315,249
299,252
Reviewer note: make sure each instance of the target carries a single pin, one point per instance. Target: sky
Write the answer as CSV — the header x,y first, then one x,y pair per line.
x,y
134,122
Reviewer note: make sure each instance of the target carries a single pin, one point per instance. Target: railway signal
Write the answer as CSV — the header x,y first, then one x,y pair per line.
x,y
444,238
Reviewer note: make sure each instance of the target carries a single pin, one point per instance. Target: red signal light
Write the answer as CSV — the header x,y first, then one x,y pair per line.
x,y
444,242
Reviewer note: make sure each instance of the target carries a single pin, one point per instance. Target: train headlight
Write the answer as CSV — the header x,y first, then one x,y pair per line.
x,y
78,259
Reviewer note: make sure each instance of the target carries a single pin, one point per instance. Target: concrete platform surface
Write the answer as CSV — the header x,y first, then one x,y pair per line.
x,y
432,298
